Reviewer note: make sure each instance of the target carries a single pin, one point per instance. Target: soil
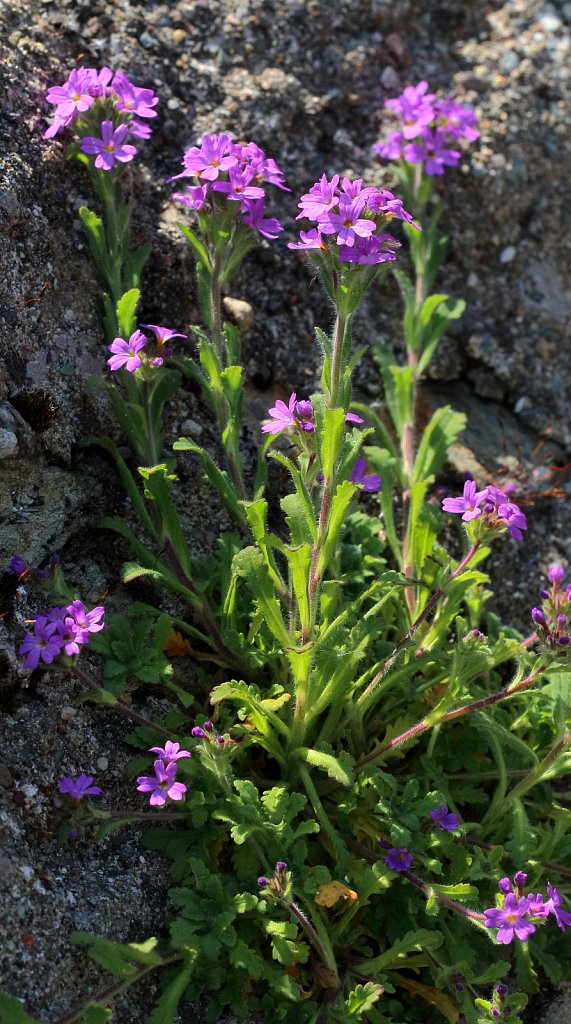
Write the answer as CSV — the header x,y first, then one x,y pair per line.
x,y
306,80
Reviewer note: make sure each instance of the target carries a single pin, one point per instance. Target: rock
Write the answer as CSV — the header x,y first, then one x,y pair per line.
x,y
240,311
508,254
8,444
190,428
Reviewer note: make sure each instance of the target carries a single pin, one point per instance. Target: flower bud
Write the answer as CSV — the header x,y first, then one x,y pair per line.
x,y
538,616
556,573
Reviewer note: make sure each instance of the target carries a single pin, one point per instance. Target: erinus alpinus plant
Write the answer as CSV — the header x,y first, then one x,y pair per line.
x,y
360,817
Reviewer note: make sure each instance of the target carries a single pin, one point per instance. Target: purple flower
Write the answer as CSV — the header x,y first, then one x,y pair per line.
x,y
383,201
556,574
214,156
469,504
357,476
445,819
74,96
415,108
538,616
399,860
17,565
352,417
348,224
110,147
163,334
432,151
238,187
505,885
368,251
554,905
254,218
392,149
537,908
170,752
86,622
80,788
42,645
197,732
161,785
283,416
460,122
126,353
308,240
510,919
194,197
139,130
514,519
320,199
132,99
69,636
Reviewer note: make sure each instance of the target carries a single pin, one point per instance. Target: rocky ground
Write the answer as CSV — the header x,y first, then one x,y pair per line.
x,y
307,81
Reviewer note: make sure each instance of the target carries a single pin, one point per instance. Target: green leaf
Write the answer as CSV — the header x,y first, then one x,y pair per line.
x,y
249,564
12,1011
96,1014
198,246
216,476
128,482
396,957
440,433
339,768
165,1010
499,969
293,503
93,227
116,957
435,328
126,312
331,440
135,264
458,892
362,998
339,505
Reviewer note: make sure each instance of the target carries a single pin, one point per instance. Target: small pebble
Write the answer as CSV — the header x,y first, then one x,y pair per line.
x,y
508,254
192,428
473,280
67,713
103,763
523,403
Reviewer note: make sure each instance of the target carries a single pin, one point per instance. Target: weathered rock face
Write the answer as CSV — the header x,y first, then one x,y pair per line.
x,y
306,79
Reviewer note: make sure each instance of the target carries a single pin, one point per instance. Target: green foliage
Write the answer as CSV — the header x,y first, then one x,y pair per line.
x,y
132,645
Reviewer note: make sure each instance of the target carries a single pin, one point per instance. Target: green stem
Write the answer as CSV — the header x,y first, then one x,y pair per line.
x,y
117,705
531,779
150,426
105,994
476,705
319,810
216,307
426,611
341,325
317,937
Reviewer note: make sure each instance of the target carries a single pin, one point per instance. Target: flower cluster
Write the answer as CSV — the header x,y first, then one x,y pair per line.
x,y
280,886
516,914
162,785
129,355
104,107
62,631
227,170
491,506
20,567
350,220
298,415
428,128
80,787
400,859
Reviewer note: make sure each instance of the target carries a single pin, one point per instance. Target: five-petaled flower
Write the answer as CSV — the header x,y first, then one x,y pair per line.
x,y
511,919
445,819
170,752
82,786
126,353
161,785
399,859
111,147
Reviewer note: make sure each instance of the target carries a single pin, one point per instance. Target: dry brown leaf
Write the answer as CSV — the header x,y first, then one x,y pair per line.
x,y
331,892
433,996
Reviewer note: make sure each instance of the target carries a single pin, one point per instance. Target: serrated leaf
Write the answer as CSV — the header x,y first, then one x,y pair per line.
x,y
339,768
363,998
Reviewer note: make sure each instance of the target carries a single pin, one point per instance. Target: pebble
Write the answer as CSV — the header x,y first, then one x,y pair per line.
x,y
473,280
192,428
240,311
508,254
8,444
524,402
147,40
103,763
179,36
67,713
509,61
